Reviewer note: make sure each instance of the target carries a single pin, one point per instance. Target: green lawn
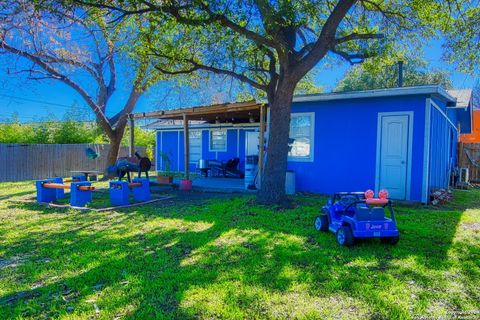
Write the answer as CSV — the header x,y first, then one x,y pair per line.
x,y
227,258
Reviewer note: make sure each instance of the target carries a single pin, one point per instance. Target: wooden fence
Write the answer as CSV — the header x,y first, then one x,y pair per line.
x,y
20,162
469,157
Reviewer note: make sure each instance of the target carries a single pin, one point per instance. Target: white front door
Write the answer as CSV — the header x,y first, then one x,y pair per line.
x,y
251,143
394,148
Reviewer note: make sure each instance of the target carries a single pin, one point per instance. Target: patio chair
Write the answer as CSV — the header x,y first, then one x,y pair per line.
x,y
226,169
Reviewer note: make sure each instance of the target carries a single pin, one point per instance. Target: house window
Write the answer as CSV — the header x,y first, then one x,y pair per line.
x,y
218,140
302,136
195,145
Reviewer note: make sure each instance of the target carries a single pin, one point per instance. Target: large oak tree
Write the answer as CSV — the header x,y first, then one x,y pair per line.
x,y
270,45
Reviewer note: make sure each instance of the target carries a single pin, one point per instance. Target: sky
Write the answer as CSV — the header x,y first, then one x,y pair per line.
x,y
32,100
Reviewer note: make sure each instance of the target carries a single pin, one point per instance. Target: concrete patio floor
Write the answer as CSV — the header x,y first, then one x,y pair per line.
x,y
213,184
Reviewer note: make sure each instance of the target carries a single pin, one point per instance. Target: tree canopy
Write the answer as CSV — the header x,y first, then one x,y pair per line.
x,y
382,72
461,28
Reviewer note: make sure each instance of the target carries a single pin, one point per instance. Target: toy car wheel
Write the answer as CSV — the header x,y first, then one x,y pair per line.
x,y
345,236
321,223
391,240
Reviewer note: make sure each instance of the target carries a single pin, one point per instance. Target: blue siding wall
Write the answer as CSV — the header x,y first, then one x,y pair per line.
x,y
169,141
172,144
463,117
346,140
443,147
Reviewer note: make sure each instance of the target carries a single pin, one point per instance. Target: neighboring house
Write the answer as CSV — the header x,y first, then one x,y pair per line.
x,y
400,139
465,100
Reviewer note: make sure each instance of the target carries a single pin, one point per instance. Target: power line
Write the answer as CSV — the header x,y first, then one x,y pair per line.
x,y
43,102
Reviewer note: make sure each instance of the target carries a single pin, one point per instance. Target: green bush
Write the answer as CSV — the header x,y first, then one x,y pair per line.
x,y
68,131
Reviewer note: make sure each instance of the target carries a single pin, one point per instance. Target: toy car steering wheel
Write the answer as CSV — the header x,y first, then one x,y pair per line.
x,y
351,205
347,201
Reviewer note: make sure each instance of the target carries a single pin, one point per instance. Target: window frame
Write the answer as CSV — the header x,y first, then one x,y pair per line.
x,y
190,145
311,157
210,140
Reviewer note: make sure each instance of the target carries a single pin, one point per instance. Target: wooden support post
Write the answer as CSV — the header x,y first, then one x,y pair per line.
x,y
132,136
261,143
460,154
186,145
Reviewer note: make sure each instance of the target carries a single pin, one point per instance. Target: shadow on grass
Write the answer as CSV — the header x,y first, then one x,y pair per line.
x,y
227,258
17,194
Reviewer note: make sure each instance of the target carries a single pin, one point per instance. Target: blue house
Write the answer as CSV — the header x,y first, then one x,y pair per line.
x,y
400,139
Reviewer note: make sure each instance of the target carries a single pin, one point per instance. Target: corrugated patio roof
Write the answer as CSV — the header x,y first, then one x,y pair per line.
x,y
234,112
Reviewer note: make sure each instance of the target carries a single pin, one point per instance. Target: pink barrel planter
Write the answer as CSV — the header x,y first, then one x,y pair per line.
x,y
186,185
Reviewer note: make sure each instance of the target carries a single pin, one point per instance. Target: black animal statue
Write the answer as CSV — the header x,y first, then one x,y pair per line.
x,y
124,165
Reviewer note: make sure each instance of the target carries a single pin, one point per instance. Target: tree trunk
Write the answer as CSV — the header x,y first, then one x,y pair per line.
x,y
272,189
115,142
117,134
114,149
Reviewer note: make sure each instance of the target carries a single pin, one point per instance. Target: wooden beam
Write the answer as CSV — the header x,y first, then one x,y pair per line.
x,y
261,143
132,135
198,111
186,146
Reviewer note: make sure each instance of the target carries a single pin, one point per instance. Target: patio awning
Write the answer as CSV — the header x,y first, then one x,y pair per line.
x,y
239,112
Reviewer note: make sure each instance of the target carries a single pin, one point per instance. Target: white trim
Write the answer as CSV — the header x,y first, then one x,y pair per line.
x,y
426,151
378,153
458,108
390,92
238,143
207,126
210,137
471,117
311,157
408,180
443,113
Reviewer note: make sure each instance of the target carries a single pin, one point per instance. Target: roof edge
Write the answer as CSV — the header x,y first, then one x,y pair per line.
x,y
376,93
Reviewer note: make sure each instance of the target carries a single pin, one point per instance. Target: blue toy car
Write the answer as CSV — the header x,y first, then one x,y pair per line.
x,y
357,215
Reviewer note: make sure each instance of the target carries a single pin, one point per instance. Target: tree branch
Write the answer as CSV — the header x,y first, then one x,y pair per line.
x,y
349,57
198,66
359,36
176,72
326,40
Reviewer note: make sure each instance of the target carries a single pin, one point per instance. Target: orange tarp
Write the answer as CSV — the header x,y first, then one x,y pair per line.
x,y
473,137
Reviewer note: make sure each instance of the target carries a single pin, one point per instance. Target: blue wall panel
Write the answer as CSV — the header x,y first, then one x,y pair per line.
x,y
169,141
158,150
181,164
443,148
345,144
